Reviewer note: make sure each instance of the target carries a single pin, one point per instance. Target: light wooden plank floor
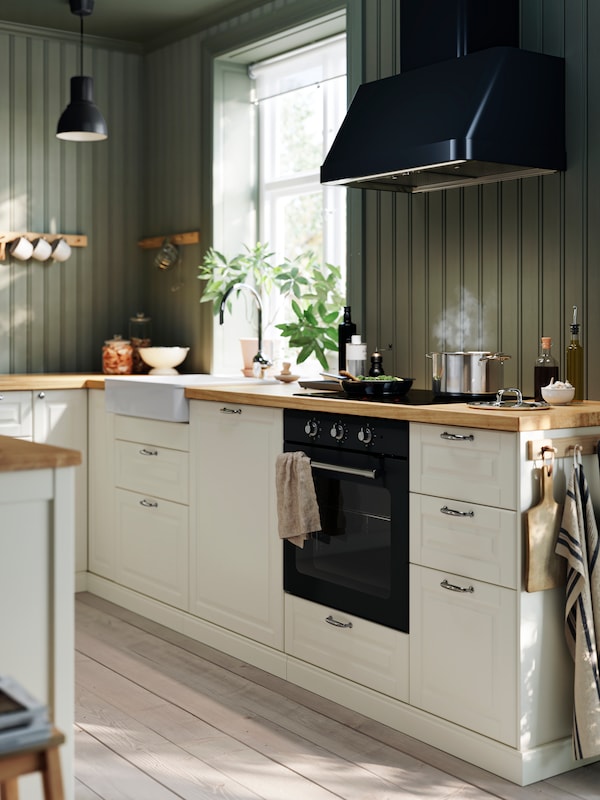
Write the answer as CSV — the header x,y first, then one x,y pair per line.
x,y
160,716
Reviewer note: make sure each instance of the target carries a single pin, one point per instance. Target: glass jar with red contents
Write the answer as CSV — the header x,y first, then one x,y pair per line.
x,y
117,356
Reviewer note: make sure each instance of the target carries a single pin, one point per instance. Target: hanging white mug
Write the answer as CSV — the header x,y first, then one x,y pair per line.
x,y
21,248
61,250
41,249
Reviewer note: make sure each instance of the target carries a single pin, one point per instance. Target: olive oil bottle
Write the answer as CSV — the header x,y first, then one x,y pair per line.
x,y
575,359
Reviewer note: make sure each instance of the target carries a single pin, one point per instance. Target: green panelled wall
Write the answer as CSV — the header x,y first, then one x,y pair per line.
x,y
55,316
491,267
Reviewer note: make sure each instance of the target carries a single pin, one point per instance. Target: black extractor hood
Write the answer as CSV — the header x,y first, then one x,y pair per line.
x,y
493,113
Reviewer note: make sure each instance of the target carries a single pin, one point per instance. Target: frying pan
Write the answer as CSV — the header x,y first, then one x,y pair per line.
x,y
377,388
354,387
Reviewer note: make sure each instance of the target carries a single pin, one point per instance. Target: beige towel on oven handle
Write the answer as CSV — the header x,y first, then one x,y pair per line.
x,y
297,508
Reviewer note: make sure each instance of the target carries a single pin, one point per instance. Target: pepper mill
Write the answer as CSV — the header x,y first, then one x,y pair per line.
x,y
376,365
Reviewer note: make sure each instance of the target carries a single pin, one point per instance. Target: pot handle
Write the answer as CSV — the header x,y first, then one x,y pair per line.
x,y
496,357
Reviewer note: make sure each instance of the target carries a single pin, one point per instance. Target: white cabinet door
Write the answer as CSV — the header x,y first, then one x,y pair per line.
x,y
463,652
236,556
465,538
102,533
16,414
152,547
60,418
355,648
464,464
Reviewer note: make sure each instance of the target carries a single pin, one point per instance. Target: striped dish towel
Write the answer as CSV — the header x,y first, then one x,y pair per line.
x,y
578,544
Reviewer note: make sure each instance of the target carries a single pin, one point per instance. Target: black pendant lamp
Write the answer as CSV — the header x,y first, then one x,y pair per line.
x,y
81,121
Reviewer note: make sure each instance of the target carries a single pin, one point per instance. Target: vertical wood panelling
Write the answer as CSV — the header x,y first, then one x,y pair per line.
x,y
55,316
505,261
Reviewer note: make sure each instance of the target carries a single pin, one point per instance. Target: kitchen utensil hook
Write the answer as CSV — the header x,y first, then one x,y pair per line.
x,y
577,455
549,466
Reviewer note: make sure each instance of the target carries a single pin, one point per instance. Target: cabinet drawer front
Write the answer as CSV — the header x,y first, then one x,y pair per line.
x,y
154,470
175,435
366,653
16,414
152,547
464,463
465,538
463,652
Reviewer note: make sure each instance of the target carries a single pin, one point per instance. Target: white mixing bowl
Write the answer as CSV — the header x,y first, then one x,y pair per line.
x,y
163,360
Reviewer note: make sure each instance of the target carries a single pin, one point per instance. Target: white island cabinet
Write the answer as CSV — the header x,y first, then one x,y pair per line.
x,y
57,417
37,492
236,559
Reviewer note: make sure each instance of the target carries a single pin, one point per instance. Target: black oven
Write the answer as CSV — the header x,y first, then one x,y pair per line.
x,y
358,562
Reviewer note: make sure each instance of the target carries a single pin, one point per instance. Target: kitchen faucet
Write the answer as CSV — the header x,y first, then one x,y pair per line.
x,y
260,362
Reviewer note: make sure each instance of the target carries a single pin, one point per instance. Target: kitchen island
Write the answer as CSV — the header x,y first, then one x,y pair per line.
x,y
37,583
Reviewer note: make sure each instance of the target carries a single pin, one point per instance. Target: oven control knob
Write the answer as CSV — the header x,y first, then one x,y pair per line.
x,y
366,435
312,428
338,431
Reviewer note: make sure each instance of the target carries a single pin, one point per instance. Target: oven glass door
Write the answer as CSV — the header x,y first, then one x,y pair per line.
x,y
358,562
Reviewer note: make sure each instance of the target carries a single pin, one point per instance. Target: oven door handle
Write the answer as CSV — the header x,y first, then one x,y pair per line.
x,y
362,473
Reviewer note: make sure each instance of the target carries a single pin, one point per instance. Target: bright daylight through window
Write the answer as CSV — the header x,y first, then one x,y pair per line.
x,y
298,101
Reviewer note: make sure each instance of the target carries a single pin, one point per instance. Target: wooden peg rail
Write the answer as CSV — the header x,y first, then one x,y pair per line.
x,y
193,237
565,446
73,239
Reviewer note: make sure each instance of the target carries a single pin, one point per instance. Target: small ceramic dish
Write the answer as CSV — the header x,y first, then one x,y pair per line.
x,y
558,396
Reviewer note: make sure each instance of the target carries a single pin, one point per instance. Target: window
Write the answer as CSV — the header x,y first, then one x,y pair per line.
x,y
275,120
301,100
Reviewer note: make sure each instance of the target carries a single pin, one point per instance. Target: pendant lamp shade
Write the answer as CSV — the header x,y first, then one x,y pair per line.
x,y
81,121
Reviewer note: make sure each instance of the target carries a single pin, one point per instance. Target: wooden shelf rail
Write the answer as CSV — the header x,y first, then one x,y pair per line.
x,y
154,242
73,239
564,446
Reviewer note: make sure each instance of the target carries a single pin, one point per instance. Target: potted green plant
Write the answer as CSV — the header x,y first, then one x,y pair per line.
x,y
310,297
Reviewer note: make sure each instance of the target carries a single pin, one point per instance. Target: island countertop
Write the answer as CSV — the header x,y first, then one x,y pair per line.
x,y
17,455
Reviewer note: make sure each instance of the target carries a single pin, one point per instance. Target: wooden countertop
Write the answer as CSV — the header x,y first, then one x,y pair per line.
x,y
574,415
17,455
43,381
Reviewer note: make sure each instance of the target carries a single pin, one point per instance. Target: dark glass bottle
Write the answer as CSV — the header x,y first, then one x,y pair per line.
x,y
546,368
345,331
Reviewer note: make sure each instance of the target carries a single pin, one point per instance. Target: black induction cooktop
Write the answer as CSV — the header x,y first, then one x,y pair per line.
x,y
415,397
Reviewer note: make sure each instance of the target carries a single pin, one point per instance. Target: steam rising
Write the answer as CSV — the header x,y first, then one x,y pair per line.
x,y
461,326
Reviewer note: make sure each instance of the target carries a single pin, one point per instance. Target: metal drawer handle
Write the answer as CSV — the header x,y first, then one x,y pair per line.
x,y
453,512
452,587
145,452
337,623
226,410
457,437
149,503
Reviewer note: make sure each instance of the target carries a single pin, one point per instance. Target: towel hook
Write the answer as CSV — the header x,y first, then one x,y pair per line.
x,y
577,455
549,466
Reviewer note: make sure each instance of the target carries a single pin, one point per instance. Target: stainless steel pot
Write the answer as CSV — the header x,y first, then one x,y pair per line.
x,y
475,372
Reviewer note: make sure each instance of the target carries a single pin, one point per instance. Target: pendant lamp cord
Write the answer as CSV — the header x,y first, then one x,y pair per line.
x,y
81,45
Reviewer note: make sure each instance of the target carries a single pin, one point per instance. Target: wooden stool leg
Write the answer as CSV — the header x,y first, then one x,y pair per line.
x,y
53,786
